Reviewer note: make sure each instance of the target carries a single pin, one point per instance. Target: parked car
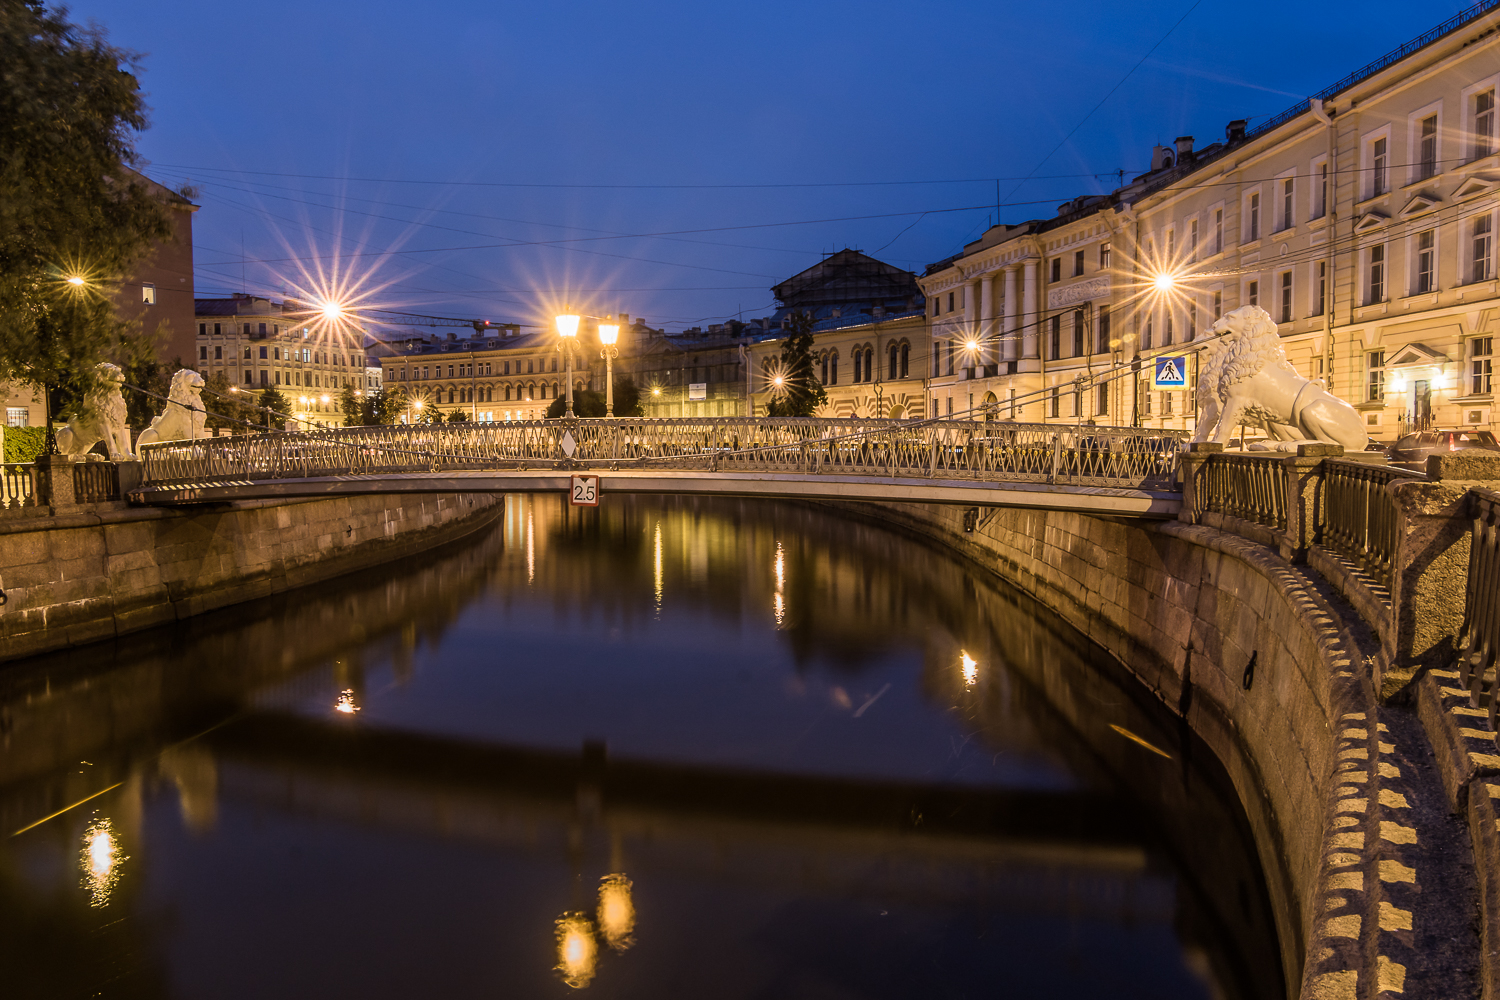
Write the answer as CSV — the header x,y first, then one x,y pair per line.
x,y
1411,450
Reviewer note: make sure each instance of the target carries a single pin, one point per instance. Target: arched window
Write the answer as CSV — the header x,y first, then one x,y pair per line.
x,y
825,368
894,355
833,368
905,360
554,390
869,364
858,362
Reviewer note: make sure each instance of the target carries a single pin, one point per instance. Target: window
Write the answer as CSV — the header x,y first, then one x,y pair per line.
x,y
1288,216
203,353
1254,218
1166,404
218,352
1426,279
1376,287
1079,326
203,329
894,361
247,329
1056,268
951,351
858,366
1193,242
17,416
1218,306
1054,407
262,376
1375,381
1320,285
247,354
1480,257
905,360
1077,263
869,364
1101,342
1320,204
1252,293
1378,179
1171,246
1484,123
936,358
1166,332
950,301
937,306
1481,360
1218,230
530,363
148,293
1101,401
263,354
1146,334
1192,327
1104,254
823,364
1055,339
1286,296
247,376
1427,148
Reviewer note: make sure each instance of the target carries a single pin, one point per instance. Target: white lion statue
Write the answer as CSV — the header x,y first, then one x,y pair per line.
x,y
1246,378
100,418
183,417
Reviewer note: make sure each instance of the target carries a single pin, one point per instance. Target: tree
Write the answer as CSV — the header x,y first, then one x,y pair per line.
x,y
276,409
352,407
457,417
799,393
154,377
70,206
588,403
219,402
384,406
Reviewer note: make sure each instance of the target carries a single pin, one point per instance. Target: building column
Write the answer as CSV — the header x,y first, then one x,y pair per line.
x,y
986,319
971,304
1010,349
1029,315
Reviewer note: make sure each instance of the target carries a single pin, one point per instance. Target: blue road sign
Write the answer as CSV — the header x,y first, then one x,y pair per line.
x,y
1171,372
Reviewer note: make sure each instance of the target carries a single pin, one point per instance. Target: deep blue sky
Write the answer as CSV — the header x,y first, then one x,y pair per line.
x,y
660,93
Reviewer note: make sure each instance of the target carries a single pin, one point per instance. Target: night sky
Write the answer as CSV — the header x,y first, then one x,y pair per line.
x,y
530,145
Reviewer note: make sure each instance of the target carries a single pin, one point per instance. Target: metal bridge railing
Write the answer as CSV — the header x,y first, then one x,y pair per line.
x,y
1480,636
949,449
1361,520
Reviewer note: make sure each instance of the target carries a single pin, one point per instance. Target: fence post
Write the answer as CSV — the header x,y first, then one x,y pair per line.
x,y
1303,473
54,480
1192,464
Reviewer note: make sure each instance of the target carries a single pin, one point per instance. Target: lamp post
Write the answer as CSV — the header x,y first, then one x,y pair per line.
x,y
567,329
609,334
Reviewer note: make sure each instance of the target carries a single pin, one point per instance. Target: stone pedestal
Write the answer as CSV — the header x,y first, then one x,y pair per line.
x,y
54,481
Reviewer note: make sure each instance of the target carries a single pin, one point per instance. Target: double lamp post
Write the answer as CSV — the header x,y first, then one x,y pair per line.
x,y
609,335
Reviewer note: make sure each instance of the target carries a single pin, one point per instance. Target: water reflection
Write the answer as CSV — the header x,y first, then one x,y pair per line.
x,y
100,860
577,952
588,692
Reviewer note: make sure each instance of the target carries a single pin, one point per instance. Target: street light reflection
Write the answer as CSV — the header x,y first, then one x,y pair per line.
x,y
577,952
617,911
778,601
970,668
100,860
345,702
657,547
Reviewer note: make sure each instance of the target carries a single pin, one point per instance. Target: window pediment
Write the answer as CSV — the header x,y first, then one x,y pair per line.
x,y
1477,185
1420,204
1371,221
1415,355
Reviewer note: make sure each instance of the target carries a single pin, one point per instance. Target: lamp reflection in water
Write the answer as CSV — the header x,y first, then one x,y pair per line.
x,y
100,860
657,548
577,952
616,911
778,602
970,668
345,702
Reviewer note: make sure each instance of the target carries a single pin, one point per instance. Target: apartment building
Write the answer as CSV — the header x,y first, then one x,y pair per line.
x,y
498,375
1363,222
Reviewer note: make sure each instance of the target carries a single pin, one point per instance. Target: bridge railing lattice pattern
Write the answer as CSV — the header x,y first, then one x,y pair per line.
x,y
945,449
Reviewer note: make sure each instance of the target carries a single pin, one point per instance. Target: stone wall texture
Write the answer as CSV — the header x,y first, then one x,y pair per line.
x,y
79,578
1187,609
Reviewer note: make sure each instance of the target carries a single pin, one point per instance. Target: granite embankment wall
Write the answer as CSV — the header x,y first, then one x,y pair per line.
x,y
1229,636
80,577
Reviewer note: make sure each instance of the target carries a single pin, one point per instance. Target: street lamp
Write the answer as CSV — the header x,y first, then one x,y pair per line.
x,y
567,329
609,333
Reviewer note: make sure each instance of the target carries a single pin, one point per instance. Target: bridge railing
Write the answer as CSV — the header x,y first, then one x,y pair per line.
x,y
18,486
1479,638
1360,519
1048,453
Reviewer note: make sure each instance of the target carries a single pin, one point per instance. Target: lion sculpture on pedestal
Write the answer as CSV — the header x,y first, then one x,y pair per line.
x,y
100,418
184,416
1245,378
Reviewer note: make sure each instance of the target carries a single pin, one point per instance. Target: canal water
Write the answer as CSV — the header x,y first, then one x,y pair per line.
x,y
664,748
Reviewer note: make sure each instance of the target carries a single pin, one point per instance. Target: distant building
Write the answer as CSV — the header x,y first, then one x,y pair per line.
x,y
257,344
695,373
498,374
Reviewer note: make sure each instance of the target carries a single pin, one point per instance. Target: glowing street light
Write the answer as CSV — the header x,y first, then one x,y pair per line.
x,y
1164,282
567,329
609,334
75,280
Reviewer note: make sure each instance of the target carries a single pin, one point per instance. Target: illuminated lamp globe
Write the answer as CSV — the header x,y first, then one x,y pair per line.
x,y
609,333
76,281
567,325
332,310
1165,282
971,345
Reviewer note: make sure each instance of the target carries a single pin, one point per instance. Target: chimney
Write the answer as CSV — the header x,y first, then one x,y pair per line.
x,y
1162,158
1235,130
625,320
1184,148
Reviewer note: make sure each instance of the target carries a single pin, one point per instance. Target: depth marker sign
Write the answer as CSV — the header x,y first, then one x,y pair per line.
x,y
584,491
1171,372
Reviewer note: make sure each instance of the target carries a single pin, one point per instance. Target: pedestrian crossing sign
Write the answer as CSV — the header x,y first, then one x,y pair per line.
x,y
1171,372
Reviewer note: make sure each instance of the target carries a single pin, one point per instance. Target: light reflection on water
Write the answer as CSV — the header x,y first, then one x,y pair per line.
x,y
863,774
100,860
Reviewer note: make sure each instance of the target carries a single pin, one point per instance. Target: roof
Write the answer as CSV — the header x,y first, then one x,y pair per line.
x,y
847,276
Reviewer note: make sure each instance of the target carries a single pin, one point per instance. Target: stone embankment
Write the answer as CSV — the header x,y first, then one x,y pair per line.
x,y
105,569
1361,763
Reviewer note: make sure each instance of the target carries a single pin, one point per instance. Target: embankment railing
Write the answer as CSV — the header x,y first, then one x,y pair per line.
x,y
1250,487
18,486
1479,638
1359,519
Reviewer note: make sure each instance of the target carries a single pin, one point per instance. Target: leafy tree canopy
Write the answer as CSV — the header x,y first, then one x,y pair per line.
x,y
70,206
279,406
800,393
589,403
